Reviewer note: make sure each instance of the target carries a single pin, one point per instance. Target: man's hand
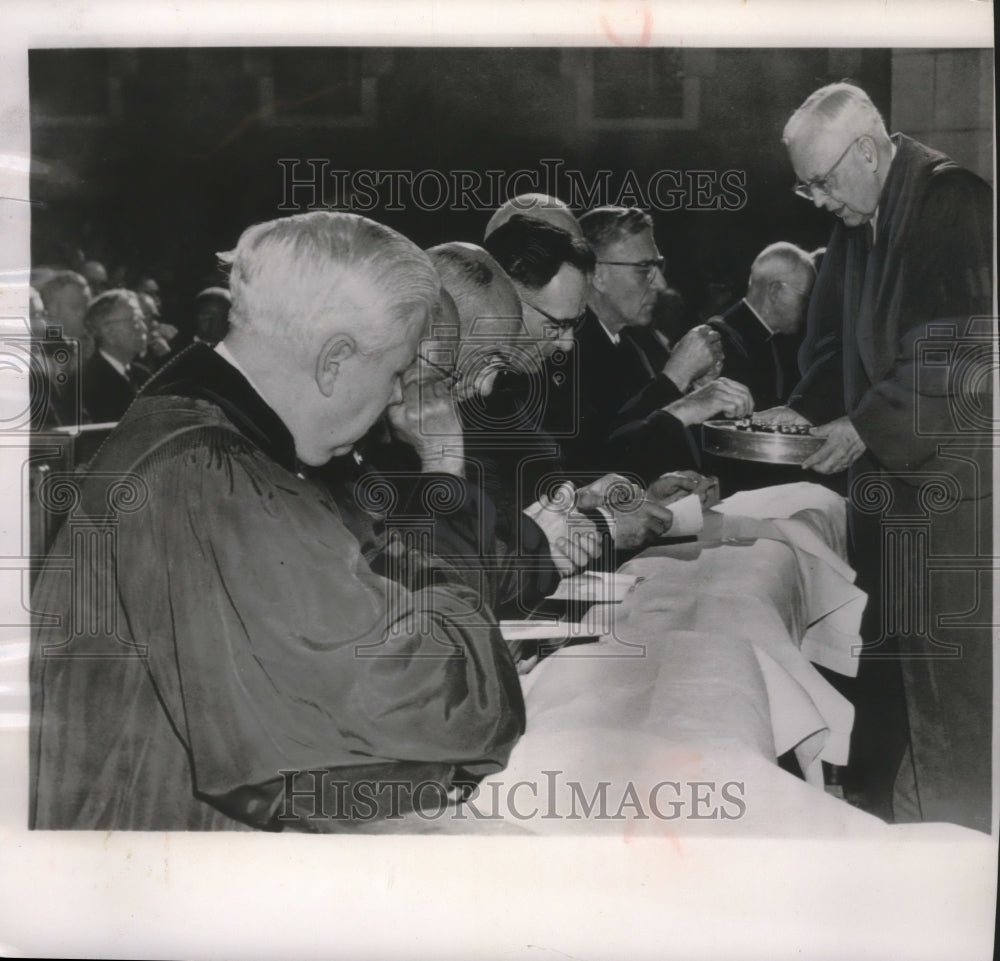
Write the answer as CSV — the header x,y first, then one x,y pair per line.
x,y
573,539
637,527
673,486
781,416
697,354
842,448
428,421
608,491
721,396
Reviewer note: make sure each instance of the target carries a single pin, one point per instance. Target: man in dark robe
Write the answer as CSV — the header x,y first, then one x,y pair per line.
x,y
896,369
211,647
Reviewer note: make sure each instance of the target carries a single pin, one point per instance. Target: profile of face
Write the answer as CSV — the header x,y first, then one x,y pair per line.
x,y
358,383
787,300
551,313
837,170
629,279
123,332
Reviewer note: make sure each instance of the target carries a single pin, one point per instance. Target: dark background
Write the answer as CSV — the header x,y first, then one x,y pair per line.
x,y
153,159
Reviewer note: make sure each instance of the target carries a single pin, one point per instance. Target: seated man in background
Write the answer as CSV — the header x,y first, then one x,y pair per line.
x,y
113,376
66,296
634,399
159,336
211,315
518,432
242,655
773,312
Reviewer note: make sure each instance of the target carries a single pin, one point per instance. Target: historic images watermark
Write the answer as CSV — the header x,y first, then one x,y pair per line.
x,y
319,795
312,184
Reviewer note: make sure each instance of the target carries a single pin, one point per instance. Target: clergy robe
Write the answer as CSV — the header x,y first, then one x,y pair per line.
x,y
900,339
206,622
612,407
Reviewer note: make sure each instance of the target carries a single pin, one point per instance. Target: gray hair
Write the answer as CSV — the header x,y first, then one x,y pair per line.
x,y
836,102
474,279
604,226
285,274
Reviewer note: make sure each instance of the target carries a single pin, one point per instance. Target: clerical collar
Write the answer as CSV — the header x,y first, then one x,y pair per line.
x,y
750,307
114,362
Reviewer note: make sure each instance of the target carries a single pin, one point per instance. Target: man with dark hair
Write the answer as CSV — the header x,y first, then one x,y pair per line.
x,y
232,659
550,269
112,377
896,365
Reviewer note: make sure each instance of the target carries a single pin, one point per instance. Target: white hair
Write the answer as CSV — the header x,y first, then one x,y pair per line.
x,y
836,103
288,276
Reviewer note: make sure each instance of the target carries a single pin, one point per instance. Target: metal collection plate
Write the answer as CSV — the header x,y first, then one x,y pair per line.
x,y
726,439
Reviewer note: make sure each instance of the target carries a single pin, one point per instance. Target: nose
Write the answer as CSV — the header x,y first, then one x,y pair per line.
x,y
659,282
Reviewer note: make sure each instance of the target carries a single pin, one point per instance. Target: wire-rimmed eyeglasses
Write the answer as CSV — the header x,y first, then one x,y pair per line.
x,y
805,188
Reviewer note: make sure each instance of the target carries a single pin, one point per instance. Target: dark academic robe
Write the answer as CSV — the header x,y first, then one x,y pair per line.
x,y
515,446
106,393
900,338
206,621
611,410
750,355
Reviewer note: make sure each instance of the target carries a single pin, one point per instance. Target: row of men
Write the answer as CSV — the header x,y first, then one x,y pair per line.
x,y
93,351
291,591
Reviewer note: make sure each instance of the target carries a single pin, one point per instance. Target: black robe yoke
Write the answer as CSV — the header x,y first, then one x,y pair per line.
x,y
206,621
899,338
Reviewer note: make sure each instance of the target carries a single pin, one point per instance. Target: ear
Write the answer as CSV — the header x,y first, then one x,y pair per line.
x,y
333,353
598,278
868,150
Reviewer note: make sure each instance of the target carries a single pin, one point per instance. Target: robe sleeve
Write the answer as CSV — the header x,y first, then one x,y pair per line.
x,y
940,376
283,651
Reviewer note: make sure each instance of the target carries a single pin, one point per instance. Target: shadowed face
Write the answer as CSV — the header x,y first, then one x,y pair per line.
x,y
552,312
629,279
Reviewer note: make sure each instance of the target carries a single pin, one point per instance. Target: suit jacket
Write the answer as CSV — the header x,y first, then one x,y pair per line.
x,y
106,394
615,421
752,355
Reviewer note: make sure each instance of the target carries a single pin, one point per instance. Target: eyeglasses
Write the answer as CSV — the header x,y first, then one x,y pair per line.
x,y
557,325
451,377
650,267
804,188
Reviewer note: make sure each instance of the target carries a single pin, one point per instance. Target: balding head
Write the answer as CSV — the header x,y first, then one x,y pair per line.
x,y
550,210
486,308
328,310
781,280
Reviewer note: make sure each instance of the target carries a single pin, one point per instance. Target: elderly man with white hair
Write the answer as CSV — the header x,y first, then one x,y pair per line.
x,y
238,661
899,349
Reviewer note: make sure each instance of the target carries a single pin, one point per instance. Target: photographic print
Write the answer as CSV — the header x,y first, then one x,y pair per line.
x,y
581,448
